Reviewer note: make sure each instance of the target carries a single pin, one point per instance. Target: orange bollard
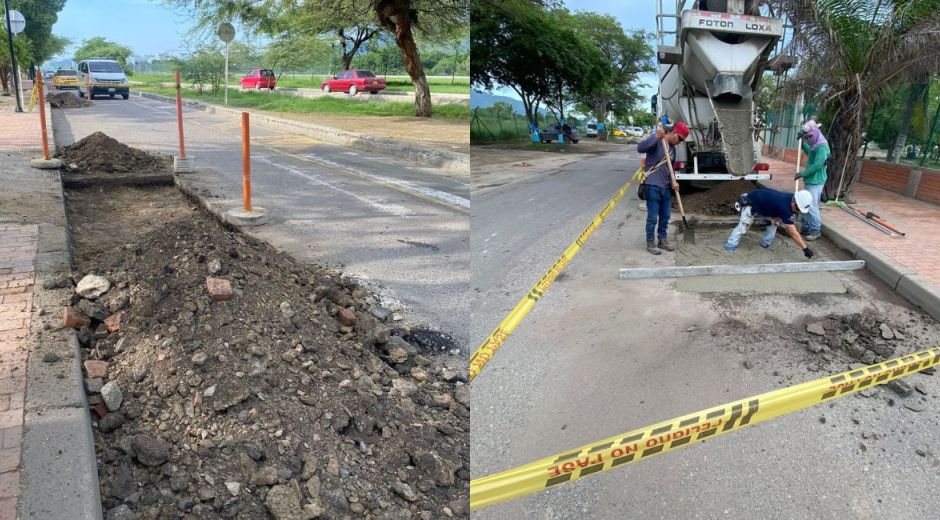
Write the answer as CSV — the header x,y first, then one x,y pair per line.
x,y
42,116
179,116
246,164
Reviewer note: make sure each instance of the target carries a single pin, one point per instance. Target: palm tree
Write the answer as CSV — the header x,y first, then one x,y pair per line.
x,y
850,52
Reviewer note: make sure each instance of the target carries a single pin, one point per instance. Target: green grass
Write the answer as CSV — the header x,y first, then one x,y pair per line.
x,y
320,105
439,85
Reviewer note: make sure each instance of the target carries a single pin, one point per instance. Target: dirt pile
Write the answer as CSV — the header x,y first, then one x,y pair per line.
x,y
99,153
718,200
292,399
66,100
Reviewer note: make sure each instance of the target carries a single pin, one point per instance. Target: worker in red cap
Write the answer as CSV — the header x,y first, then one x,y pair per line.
x,y
657,185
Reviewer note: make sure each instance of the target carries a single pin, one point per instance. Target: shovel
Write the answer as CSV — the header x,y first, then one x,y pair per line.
x,y
688,234
799,150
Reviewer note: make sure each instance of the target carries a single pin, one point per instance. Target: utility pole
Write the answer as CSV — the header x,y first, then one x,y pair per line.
x,y
15,74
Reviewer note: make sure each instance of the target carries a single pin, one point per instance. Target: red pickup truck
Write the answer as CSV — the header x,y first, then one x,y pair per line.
x,y
353,81
259,79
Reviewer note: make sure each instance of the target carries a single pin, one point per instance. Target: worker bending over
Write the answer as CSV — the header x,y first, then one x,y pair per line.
x,y
779,207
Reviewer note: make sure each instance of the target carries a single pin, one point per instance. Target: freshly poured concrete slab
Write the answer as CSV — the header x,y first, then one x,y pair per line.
x,y
709,249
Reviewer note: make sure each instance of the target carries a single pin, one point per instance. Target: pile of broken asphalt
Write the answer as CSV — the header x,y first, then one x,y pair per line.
x,y
229,381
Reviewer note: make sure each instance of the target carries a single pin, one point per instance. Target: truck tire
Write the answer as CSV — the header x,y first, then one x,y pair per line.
x,y
125,96
353,90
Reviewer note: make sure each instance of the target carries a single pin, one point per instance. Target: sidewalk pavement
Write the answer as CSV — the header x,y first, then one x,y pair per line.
x,y
915,256
47,456
18,244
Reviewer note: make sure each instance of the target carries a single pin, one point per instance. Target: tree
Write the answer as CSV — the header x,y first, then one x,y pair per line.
x,y
205,65
21,47
98,47
916,104
520,45
852,53
400,18
40,16
294,52
627,56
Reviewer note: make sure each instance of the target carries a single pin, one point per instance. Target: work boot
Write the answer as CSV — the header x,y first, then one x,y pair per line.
x,y
811,236
651,247
665,244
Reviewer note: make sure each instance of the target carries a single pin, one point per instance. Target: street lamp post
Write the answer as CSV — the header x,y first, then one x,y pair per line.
x,y
16,80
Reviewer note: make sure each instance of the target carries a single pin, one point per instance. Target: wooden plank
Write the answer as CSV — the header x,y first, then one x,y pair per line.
x,y
714,270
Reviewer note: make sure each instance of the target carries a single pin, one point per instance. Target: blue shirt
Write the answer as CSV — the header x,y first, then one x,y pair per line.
x,y
772,204
654,153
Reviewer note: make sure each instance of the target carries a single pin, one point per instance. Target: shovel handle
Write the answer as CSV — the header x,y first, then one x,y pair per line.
x,y
877,219
799,151
672,175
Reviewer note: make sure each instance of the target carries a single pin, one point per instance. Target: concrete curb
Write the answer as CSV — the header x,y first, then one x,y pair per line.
x,y
903,280
59,477
216,210
421,154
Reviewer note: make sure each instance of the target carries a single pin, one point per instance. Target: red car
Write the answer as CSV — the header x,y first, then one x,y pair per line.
x,y
259,79
353,81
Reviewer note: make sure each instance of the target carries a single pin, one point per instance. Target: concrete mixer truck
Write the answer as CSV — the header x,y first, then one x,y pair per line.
x,y
712,54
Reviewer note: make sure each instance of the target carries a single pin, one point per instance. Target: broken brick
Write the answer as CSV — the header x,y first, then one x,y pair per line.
x,y
100,410
96,369
346,317
113,322
75,318
220,289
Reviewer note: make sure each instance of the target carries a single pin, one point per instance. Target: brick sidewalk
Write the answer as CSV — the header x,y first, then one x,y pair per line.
x,y
17,252
919,250
21,131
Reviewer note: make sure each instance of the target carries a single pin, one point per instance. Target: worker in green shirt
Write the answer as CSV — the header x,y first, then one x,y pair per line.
x,y
814,175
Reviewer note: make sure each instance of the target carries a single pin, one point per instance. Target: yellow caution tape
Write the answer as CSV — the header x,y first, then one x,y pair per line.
x,y
666,436
496,338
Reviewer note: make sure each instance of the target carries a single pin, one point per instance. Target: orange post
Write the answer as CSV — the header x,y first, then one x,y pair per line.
x,y
246,163
42,116
179,116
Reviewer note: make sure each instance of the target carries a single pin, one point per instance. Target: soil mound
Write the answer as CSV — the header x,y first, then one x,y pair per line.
x,y
717,200
66,100
99,153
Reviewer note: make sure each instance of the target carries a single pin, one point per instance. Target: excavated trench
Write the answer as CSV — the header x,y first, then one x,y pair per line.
x,y
298,397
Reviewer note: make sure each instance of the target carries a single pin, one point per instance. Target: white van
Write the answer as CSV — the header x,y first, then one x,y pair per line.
x,y
104,76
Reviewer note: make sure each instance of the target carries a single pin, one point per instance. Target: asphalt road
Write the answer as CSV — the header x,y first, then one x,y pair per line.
x,y
400,228
599,356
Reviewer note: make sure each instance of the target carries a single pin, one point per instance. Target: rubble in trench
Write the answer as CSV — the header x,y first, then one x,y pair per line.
x,y
228,381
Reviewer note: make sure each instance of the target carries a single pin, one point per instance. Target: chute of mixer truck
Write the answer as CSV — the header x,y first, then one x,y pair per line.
x,y
712,54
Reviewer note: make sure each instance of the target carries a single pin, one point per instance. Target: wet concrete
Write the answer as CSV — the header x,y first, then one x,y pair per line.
x,y
709,249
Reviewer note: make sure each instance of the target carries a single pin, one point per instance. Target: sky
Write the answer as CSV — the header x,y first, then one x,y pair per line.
x,y
147,27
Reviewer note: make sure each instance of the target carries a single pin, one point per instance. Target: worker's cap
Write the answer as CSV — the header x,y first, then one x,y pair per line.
x,y
682,129
803,200
810,126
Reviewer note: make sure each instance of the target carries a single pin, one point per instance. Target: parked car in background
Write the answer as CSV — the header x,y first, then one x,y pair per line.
x,y
354,81
65,79
592,129
635,131
102,76
258,79
550,133
619,132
